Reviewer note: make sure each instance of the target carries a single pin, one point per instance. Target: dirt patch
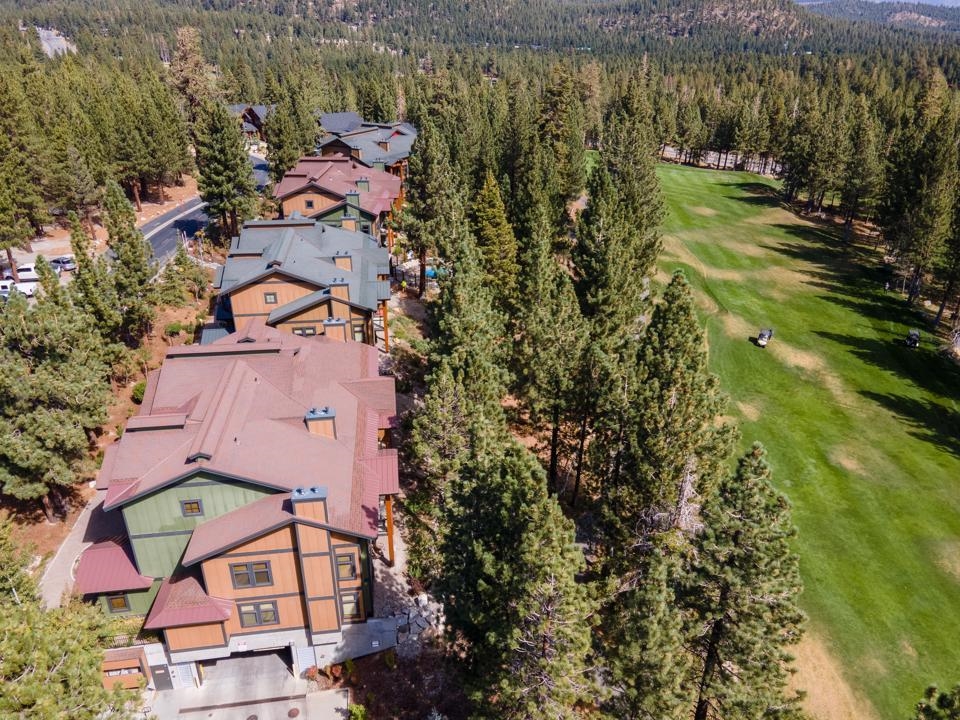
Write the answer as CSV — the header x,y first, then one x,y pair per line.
x,y
676,250
829,695
948,558
736,327
842,457
703,211
749,411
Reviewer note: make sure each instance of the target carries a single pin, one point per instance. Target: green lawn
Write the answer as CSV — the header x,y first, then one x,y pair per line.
x,y
863,434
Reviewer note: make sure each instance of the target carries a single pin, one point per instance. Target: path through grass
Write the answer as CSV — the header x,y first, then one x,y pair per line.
x,y
863,434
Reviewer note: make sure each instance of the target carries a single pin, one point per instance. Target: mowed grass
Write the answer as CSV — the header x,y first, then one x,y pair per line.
x,y
863,434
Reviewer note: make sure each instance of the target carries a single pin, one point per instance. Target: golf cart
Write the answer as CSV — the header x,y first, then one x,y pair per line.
x,y
913,339
764,336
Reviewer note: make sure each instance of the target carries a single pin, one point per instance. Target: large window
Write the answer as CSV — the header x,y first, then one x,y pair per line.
x,y
346,567
118,603
350,606
190,508
254,574
261,613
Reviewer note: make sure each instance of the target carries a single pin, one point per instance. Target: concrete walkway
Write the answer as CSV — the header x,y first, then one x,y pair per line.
x,y
57,579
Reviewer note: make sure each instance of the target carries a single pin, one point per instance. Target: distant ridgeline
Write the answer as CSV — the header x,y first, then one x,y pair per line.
x,y
686,29
920,16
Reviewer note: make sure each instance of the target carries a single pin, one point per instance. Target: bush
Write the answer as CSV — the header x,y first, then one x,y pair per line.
x,y
173,329
356,712
390,659
138,390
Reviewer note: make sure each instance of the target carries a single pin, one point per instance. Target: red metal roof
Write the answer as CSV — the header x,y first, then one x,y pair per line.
x,y
183,601
106,567
339,176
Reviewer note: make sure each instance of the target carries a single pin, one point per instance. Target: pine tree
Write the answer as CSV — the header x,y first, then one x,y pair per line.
x,y
16,584
93,285
132,270
671,446
54,669
191,76
53,392
863,172
283,145
550,338
437,448
938,705
435,204
743,589
496,243
545,673
225,178
645,636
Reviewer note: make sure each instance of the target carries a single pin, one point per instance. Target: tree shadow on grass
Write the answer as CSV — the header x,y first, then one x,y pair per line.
x,y
929,421
923,367
754,193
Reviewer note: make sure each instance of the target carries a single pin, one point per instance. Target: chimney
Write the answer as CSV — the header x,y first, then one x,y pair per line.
x,y
339,288
335,329
310,503
322,421
343,261
384,145
363,184
353,199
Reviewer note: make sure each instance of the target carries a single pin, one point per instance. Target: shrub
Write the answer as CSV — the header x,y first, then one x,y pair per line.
x,y
390,659
356,712
173,329
138,390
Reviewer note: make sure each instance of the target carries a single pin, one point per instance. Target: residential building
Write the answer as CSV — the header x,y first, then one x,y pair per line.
x,y
342,192
384,146
305,278
252,120
242,505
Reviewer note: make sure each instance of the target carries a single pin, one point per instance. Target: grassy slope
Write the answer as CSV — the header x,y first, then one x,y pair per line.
x,y
863,434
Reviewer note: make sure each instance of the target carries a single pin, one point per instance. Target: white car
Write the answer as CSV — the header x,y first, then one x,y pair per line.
x,y
28,273
8,287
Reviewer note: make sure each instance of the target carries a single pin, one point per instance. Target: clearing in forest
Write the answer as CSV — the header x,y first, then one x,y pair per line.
x,y
863,434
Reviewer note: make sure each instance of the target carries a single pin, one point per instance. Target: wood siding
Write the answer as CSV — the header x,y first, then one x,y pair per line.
x,y
298,203
323,615
195,636
248,302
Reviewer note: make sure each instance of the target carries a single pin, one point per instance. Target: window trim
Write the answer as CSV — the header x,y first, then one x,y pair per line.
x,y
305,330
355,595
308,204
352,563
183,508
267,300
258,612
118,596
251,574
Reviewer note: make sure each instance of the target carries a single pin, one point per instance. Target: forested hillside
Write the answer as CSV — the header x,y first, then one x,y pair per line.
x,y
920,16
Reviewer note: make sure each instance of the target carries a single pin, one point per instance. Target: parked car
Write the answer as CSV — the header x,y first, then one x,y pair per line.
x,y
8,287
28,273
64,262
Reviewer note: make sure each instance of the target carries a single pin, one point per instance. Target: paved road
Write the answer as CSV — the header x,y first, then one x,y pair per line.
x,y
162,232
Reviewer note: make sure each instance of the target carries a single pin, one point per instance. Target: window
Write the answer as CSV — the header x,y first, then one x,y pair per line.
x,y
346,567
118,603
261,613
305,331
308,204
270,298
365,227
350,606
255,574
191,507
